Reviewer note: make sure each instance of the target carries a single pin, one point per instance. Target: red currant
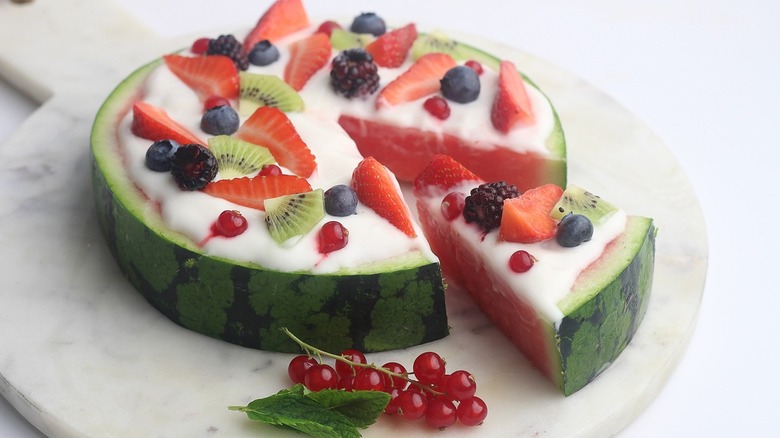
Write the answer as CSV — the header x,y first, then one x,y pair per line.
x,y
215,101
332,237
472,411
460,385
411,405
392,406
345,369
270,170
327,27
452,205
230,223
369,379
200,46
429,368
321,376
438,107
347,383
392,381
298,366
441,413
521,261
474,65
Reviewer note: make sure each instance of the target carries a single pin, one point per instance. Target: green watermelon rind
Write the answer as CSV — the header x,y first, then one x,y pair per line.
x,y
393,304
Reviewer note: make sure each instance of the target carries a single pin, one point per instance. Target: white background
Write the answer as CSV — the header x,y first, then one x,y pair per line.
x,y
705,76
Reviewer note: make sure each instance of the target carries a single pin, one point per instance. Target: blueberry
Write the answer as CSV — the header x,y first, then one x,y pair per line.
x,y
573,230
158,156
340,200
461,84
220,120
368,22
263,53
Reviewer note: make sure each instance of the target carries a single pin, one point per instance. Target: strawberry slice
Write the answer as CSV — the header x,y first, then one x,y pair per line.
x,y
251,192
376,188
281,19
526,219
269,127
153,123
214,75
391,48
443,172
422,79
307,56
512,105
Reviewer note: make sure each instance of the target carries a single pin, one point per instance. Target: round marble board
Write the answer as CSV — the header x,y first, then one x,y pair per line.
x,y
83,355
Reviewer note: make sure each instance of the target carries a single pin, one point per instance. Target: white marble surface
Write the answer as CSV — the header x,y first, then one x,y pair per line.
x,y
84,365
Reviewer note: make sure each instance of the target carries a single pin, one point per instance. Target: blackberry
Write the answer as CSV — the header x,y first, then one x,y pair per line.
x,y
354,73
485,204
229,46
193,166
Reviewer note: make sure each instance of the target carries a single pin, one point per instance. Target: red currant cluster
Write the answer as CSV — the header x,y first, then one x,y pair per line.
x,y
440,398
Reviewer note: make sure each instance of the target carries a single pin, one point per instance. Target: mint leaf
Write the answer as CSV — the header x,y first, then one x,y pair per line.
x,y
362,408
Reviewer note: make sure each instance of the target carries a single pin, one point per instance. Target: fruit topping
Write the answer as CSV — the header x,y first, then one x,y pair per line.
x,y
230,223
327,27
263,53
461,84
485,204
228,45
437,107
476,66
268,126
443,172
512,105
368,22
452,205
293,215
220,120
251,192
578,200
332,237
526,219
281,19
307,56
521,261
340,200
378,190
258,90
153,123
270,170
206,75
341,39
573,230
391,49
237,158
199,46
436,42
354,73
193,166
420,80
158,156
213,101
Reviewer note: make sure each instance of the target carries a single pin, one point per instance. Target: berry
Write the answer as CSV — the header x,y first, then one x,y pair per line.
x,y
199,46
251,192
437,107
298,366
307,56
452,205
327,27
215,101
206,75
263,53
422,79
345,369
228,45
472,411
573,230
368,22
230,223
220,120
281,19
411,404
158,156
512,106
340,200
429,368
193,166
461,84
392,381
476,66
392,48
369,379
485,204
377,189
460,385
441,174
441,413
392,406
270,170
320,376
521,261
347,383
354,73
332,237
154,124
527,219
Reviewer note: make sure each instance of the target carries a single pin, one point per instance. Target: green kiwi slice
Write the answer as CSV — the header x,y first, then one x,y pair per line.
x,y
437,42
341,39
293,215
237,158
578,200
256,90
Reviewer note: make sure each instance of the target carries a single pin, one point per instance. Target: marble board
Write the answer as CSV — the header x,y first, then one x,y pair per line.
x,y
83,355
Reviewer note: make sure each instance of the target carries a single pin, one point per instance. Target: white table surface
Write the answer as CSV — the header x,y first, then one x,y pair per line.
x,y
705,76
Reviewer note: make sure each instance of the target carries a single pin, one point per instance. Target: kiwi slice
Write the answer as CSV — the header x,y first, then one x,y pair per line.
x,y
437,42
256,90
578,200
236,158
341,39
293,215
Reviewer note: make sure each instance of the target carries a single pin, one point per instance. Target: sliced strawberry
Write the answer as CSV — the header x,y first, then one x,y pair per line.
x,y
268,126
391,48
526,219
281,19
155,124
307,56
214,75
442,173
512,105
376,188
251,192
422,79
